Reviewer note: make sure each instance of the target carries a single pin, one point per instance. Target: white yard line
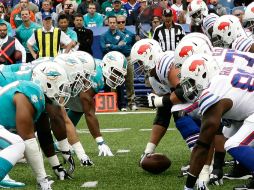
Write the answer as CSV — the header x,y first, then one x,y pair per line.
x,y
124,113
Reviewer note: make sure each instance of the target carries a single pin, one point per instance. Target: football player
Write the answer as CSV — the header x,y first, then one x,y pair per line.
x,y
222,99
229,33
53,95
24,102
163,78
113,68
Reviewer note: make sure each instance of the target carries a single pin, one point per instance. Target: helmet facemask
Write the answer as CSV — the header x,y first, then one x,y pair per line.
x,y
114,77
190,90
250,25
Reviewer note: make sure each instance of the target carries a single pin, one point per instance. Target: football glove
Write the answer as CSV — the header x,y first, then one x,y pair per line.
x,y
69,160
154,100
85,161
143,156
61,172
104,150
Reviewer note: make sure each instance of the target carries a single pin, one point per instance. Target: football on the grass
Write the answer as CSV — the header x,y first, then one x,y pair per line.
x,y
155,163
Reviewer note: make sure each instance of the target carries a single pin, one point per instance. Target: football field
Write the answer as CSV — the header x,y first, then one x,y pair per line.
x,y
126,135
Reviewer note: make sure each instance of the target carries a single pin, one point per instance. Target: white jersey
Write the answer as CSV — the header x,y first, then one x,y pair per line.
x,y
161,85
232,57
235,83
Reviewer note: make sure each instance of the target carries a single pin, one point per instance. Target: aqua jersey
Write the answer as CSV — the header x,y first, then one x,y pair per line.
x,y
16,67
9,77
98,80
30,90
74,103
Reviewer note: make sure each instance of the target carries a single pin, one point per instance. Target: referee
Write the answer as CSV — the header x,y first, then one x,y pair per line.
x,y
168,34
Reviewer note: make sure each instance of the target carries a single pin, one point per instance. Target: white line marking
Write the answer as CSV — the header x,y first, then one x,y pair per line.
x,y
122,151
105,130
124,113
169,129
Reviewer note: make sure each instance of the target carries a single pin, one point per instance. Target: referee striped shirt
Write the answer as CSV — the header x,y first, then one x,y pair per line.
x,y
168,38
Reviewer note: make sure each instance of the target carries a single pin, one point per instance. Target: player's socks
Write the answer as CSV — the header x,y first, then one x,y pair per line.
x,y
188,129
53,161
34,158
79,150
244,155
64,145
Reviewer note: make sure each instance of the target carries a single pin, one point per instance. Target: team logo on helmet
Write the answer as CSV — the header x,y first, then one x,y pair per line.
x,y
186,51
223,25
52,75
143,49
195,64
252,9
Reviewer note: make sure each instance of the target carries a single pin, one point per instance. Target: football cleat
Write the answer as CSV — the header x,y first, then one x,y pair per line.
x,y
248,186
44,184
86,161
201,185
61,172
216,177
238,172
7,182
69,160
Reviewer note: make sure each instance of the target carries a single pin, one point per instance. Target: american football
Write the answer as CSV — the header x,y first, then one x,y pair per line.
x,y
156,163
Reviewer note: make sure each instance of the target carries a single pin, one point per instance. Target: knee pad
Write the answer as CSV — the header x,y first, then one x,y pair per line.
x,y
188,129
74,116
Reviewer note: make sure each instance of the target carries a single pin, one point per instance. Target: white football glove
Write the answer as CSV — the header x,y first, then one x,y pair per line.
x,y
154,100
104,150
86,161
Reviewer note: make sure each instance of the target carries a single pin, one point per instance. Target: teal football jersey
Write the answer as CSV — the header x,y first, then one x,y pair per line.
x,y
7,93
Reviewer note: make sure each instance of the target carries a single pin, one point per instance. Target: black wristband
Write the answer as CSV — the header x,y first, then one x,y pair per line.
x,y
179,93
166,100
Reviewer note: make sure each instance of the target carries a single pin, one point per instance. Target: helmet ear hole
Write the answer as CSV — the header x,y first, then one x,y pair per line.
x,y
229,34
48,85
204,75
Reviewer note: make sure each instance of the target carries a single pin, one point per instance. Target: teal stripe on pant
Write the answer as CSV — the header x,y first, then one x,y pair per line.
x,y
5,167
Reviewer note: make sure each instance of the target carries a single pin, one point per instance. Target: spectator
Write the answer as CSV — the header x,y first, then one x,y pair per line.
x,y
130,6
85,36
2,15
25,31
114,40
220,10
63,24
167,5
47,48
69,10
15,18
117,10
46,7
84,6
92,18
70,5
132,19
156,21
106,7
169,33
238,12
31,6
11,49
129,80
178,6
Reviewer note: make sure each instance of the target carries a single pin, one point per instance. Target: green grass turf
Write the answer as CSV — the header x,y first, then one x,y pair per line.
x,y
122,171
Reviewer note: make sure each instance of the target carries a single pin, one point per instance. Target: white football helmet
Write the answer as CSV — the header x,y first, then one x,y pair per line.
x,y
225,30
114,68
196,74
53,81
74,69
146,52
193,43
207,25
197,10
248,17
